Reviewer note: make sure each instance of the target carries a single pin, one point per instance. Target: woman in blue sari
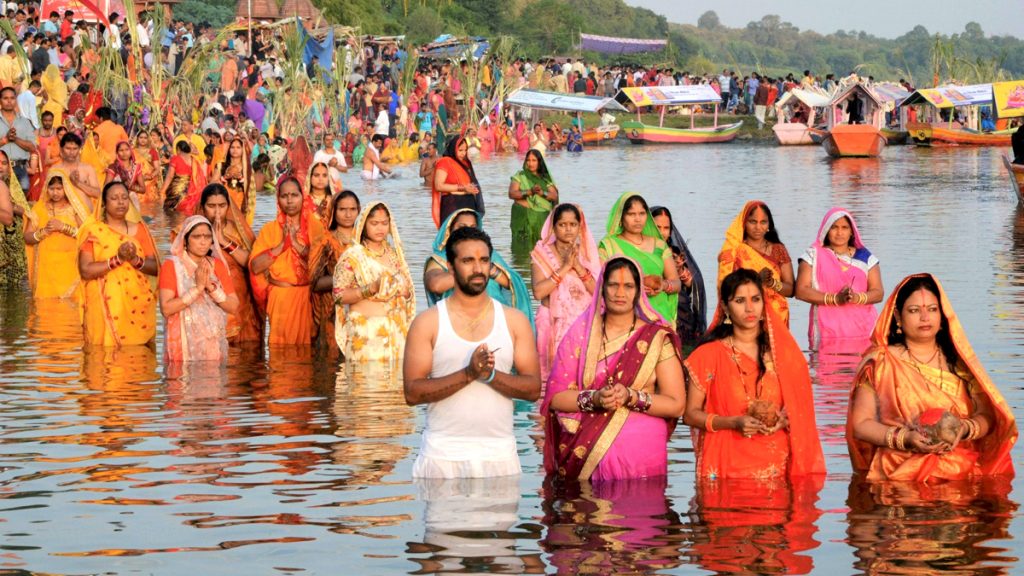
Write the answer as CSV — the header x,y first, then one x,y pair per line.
x,y
505,285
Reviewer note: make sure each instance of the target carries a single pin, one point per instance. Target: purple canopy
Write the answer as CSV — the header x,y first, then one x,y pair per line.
x,y
612,45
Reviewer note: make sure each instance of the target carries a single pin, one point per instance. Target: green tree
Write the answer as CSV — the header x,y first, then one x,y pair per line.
x,y
217,13
709,21
423,25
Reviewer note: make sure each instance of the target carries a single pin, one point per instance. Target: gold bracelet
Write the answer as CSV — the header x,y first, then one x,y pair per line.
x,y
889,432
901,439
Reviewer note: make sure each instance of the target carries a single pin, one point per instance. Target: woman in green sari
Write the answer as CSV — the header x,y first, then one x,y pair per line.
x,y
535,194
633,233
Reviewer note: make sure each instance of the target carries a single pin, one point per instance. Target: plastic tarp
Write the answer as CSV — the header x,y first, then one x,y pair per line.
x,y
952,96
322,49
613,45
812,99
890,92
558,101
1009,98
671,95
452,48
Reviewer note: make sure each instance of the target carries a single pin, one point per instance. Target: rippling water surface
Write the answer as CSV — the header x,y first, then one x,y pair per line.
x,y
279,464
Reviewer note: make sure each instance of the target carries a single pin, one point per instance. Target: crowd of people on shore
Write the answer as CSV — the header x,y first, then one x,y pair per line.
x,y
619,348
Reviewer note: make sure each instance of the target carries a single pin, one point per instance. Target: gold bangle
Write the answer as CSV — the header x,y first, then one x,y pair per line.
x,y
889,437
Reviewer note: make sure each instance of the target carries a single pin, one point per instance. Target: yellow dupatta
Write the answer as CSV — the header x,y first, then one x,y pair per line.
x,y
53,262
736,254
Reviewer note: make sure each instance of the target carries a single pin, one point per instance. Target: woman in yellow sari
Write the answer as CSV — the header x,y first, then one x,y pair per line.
x,y
922,407
372,281
50,235
149,159
235,173
117,259
56,93
343,210
752,242
280,265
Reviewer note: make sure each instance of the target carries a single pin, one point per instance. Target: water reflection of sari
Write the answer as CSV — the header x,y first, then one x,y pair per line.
x,y
624,526
620,444
692,307
120,306
376,339
651,263
53,262
198,331
13,261
914,528
757,527
569,298
831,273
517,296
718,370
906,390
736,254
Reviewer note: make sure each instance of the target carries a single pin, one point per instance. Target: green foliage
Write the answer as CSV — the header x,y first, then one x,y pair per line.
x,y
423,25
217,13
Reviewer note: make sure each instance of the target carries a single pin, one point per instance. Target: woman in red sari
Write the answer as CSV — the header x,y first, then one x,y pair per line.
x,y
126,170
922,407
455,183
185,180
749,400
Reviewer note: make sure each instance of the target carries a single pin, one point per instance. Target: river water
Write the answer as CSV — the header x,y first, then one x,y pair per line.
x,y
279,464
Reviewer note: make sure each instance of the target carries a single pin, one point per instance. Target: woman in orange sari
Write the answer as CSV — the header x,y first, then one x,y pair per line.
x,y
185,180
235,173
245,324
455,183
280,265
126,170
50,236
149,159
116,259
343,210
318,188
922,407
752,242
749,402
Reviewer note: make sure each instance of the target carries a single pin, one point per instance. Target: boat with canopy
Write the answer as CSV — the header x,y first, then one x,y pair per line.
x,y
693,97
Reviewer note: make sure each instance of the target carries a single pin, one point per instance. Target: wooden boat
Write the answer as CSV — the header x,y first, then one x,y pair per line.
x,y
600,134
662,97
640,133
855,140
1016,172
941,134
811,103
894,137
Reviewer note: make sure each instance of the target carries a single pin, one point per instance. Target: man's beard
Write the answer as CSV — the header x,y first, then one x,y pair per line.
x,y
467,287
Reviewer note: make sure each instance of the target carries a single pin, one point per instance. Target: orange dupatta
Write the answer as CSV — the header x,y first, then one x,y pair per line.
x,y
736,254
456,175
903,394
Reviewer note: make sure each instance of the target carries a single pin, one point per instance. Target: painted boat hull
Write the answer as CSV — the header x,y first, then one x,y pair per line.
x,y
925,134
1016,172
601,134
639,133
792,134
895,137
853,141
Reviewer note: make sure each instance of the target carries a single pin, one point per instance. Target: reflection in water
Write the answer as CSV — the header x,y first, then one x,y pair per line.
x,y
468,527
833,367
753,526
611,527
899,528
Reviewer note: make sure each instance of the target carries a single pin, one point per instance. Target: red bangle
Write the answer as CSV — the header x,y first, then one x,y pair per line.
x,y
230,247
113,262
140,262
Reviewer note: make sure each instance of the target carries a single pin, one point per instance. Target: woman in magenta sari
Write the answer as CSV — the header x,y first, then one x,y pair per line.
x,y
842,282
565,269
616,389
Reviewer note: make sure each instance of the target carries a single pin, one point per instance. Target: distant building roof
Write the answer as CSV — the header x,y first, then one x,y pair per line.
x,y
274,10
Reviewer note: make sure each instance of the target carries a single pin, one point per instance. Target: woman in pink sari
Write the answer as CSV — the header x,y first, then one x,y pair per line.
x,y
565,269
522,137
616,389
842,282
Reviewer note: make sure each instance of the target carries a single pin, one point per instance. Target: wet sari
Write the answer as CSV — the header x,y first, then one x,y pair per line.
x,y
692,306
239,182
199,331
651,263
120,306
849,323
444,204
608,445
13,260
736,254
516,296
129,173
526,222
149,161
375,339
323,259
721,373
905,391
187,186
53,262
569,298
283,290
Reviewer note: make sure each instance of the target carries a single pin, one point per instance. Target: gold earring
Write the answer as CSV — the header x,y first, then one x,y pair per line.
x,y
899,329
727,320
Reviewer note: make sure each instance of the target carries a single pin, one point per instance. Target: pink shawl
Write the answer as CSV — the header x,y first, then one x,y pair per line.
x,y
851,322
570,297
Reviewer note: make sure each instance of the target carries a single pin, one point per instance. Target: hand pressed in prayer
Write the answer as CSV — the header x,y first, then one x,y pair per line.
x,y
766,276
202,276
613,397
844,296
481,363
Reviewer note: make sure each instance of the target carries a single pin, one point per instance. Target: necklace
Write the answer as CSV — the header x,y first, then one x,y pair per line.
x,y
383,250
473,322
634,242
917,364
604,345
758,384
